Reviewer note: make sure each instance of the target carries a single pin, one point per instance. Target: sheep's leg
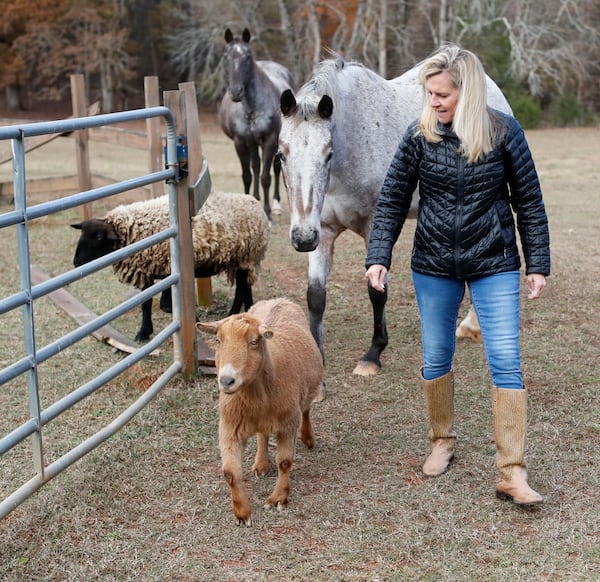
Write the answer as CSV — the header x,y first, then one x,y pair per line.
x,y
243,292
166,301
261,462
286,443
147,328
231,453
307,435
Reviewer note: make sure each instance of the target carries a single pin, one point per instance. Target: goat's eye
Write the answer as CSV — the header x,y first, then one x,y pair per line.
x,y
329,156
253,342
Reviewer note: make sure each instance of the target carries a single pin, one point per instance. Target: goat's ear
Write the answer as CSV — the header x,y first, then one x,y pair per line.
x,y
208,326
246,35
78,226
265,332
228,36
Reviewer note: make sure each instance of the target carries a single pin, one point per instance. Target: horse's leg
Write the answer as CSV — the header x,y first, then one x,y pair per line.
x,y
370,363
269,150
319,267
255,163
276,172
244,155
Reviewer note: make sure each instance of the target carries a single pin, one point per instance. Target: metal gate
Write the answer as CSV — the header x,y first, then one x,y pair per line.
x,y
24,299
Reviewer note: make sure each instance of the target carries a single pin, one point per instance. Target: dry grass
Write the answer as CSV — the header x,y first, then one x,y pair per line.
x,y
151,503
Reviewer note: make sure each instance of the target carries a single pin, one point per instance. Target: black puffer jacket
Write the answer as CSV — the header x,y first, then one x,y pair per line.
x,y
465,226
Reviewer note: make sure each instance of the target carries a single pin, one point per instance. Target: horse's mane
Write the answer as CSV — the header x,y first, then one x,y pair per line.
x,y
326,80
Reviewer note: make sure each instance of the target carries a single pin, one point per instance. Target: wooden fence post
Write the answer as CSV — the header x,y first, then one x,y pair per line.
x,y
82,151
175,101
195,158
155,142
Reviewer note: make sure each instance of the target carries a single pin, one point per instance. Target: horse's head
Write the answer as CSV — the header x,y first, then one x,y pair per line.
x,y
305,152
239,62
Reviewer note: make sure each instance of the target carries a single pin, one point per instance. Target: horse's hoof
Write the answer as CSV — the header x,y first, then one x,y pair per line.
x,y
364,368
276,210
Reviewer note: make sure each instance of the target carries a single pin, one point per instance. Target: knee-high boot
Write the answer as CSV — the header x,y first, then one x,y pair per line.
x,y
439,395
510,411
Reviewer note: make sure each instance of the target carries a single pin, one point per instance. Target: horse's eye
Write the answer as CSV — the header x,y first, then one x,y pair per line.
x,y
329,156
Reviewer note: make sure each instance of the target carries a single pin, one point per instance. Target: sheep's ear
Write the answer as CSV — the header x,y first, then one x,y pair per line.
x,y
208,326
265,332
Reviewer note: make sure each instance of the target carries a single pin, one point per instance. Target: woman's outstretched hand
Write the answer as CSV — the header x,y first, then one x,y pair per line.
x,y
376,275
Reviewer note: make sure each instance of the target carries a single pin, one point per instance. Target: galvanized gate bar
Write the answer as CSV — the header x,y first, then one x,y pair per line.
x,y
20,218
47,287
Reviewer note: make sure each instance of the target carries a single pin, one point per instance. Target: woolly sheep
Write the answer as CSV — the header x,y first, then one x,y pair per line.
x,y
230,235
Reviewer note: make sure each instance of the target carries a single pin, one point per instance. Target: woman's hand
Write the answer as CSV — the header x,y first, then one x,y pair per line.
x,y
376,275
535,283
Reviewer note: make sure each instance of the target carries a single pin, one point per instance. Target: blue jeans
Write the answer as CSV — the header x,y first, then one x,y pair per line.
x,y
496,300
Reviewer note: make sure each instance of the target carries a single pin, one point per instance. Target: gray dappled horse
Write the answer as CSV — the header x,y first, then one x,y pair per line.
x,y
249,114
337,139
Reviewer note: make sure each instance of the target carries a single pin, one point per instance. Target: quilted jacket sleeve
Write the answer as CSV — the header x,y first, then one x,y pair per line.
x,y
394,200
526,201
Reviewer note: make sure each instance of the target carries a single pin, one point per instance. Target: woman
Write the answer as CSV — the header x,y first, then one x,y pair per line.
x,y
473,168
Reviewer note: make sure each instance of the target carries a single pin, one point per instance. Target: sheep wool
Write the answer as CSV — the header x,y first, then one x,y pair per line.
x,y
230,232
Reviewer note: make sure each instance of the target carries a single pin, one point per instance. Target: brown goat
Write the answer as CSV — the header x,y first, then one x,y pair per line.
x,y
269,371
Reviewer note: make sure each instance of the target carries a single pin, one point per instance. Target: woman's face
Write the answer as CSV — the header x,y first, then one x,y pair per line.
x,y
442,95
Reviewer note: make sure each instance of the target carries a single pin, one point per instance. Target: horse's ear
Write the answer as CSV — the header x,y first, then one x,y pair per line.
x,y
228,36
246,35
325,107
288,103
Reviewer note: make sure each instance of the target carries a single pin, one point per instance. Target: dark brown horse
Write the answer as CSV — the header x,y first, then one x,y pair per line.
x,y
250,114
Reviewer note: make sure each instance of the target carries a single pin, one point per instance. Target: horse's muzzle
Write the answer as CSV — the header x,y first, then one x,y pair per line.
x,y
304,240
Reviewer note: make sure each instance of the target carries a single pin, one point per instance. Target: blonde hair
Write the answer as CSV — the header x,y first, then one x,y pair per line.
x,y
472,122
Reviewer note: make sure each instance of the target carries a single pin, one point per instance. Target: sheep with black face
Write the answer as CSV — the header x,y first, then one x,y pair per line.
x,y
230,235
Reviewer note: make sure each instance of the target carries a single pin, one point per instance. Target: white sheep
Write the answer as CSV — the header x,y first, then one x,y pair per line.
x,y
230,235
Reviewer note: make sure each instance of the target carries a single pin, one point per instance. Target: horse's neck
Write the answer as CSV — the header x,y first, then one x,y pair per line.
x,y
252,87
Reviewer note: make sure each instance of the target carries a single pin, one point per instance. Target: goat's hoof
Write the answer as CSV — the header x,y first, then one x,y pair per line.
x,y
246,522
261,470
465,332
321,394
278,505
365,368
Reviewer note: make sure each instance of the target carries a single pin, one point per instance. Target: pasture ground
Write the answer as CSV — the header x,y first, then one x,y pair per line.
x,y
151,503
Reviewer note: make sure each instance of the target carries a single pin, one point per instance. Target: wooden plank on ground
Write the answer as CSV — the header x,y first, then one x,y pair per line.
x,y
81,314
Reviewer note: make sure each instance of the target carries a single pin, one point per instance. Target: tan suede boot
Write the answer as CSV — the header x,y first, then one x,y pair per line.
x,y
510,410
439,394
